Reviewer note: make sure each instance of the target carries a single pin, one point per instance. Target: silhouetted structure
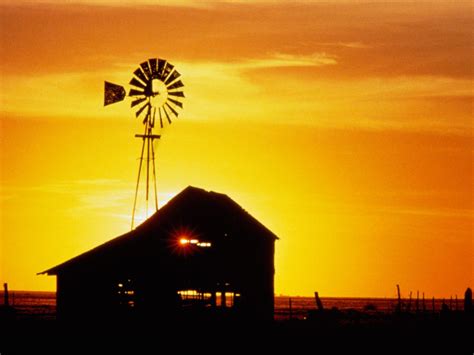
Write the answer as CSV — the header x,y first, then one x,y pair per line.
x,y
468,300
399,304
319,304
200,255
6,301
155,86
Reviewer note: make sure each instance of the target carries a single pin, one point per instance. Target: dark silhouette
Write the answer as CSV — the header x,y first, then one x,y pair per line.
x,y
7,312
154,88
201,256
319,304
468,300
399,303
6,301
290,308
444,308
370,307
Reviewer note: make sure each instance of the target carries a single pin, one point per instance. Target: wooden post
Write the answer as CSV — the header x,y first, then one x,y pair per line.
x,y
319,304
399,306
468,300
5,294
291,310
417,305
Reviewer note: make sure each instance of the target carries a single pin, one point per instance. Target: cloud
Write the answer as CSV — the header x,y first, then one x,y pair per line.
x,y
380,40
110,3
440,213
384,66
278,87
102,197
355,45
280,60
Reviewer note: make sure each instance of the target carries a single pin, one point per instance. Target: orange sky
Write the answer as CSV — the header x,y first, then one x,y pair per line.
x,y
345,127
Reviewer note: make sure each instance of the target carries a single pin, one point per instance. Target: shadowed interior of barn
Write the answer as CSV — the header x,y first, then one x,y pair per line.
x,y
201,256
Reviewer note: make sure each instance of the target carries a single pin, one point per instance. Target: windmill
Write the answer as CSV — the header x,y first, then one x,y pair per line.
x,y
155,86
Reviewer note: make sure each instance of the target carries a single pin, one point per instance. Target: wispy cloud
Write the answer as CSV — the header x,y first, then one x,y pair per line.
x,y
279,60
403,204
432,212
114,3
355,45
91,194
361,67
101,197
384,39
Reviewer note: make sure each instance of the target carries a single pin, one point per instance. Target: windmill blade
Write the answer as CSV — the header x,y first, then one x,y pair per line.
x,y
161,119
177,93
172,77
134,92
161,67
176,85
113,93
154,67
168,68
137,101
146,69
167,116
177,103
141,109
172,109
137,83
140,75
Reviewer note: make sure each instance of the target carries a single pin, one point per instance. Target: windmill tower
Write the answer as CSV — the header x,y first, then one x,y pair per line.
x,y
155,86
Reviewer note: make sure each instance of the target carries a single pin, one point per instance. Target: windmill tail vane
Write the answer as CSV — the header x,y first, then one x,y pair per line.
x,y
155,86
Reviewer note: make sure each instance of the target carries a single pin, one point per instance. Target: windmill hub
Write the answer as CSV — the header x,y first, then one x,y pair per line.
x,y
158,93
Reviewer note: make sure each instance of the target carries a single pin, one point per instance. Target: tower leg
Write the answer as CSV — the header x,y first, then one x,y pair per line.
x,y
154,175
148,139
138,180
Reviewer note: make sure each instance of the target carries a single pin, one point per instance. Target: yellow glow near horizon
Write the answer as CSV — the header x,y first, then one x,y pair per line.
x,y
344,134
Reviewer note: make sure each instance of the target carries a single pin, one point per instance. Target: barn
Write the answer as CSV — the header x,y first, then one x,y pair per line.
x,y
200,256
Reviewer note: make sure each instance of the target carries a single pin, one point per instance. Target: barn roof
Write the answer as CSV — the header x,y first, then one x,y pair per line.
x,y
191,204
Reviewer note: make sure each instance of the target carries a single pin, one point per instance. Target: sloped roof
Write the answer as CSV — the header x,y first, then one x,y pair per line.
x,y
195,203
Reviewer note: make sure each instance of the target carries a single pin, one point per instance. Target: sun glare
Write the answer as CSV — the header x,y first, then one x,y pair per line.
x,y
184,241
